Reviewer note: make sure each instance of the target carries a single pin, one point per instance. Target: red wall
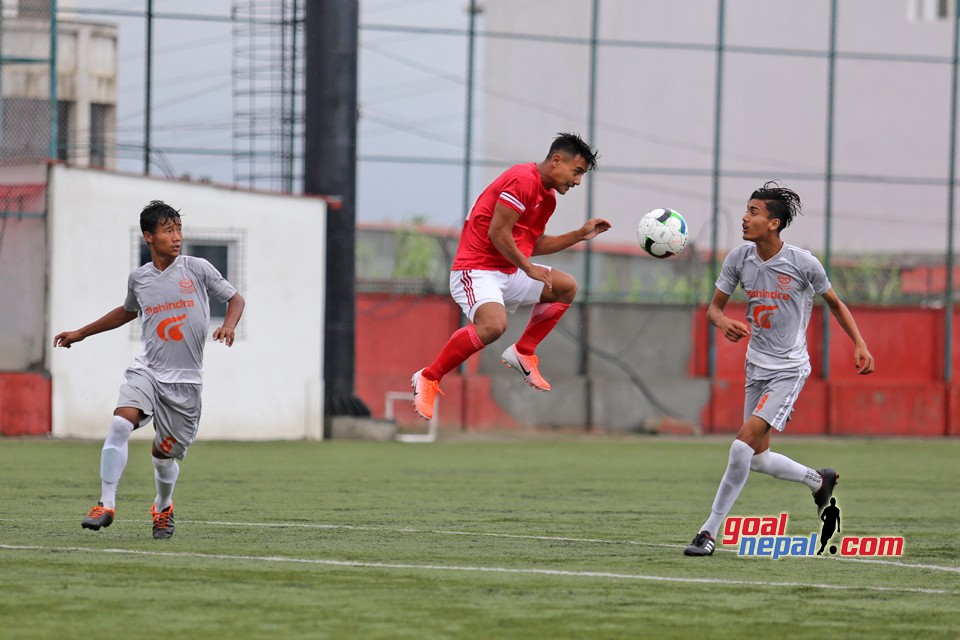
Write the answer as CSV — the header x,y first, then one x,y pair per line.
x,y
396,335
24,404
400,334
906,394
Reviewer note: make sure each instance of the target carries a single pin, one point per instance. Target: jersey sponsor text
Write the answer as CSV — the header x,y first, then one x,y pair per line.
x,y
167,306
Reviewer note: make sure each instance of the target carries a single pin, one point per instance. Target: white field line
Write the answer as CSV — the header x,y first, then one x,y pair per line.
x,y
505,570
444,532
513,536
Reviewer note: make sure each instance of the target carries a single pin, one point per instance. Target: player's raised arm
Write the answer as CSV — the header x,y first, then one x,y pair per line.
x,y
552,244
112,320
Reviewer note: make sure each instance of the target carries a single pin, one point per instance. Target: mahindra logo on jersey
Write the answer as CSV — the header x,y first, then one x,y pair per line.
x,y
774,295
167,306
762,314
171,328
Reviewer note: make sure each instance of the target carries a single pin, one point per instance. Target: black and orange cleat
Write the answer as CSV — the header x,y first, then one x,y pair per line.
x,y
99,516
162,522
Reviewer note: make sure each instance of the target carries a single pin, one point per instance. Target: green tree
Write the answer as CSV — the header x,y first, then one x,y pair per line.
x,y
416,252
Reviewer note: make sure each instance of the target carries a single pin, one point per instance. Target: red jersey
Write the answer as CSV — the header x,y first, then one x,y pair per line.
x,y
521,189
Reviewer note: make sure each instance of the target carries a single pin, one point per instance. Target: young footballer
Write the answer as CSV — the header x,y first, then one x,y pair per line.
x,y
780,281
171,295
492,272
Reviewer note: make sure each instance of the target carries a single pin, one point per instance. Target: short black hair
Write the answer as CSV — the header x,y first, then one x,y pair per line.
x,y
573,145
781,202
155,213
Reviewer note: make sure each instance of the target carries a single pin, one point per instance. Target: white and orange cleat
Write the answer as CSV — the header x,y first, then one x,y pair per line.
x,y
527,366
424,394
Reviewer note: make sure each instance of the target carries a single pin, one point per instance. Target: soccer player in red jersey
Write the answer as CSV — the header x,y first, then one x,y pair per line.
x,y
492,272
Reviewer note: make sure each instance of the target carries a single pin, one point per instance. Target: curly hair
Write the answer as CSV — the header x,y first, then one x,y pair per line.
x,y
781,202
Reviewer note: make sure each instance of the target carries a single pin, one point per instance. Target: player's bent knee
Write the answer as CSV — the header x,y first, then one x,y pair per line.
x,y
564,288
490,331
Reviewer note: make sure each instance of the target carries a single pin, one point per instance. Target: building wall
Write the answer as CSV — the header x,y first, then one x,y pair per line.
x,y
269,384
86,91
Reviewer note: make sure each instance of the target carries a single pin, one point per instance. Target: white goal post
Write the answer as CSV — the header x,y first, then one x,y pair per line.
x,y
429,436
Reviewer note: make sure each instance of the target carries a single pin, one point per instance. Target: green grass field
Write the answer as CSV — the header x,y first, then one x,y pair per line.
x,y
561,538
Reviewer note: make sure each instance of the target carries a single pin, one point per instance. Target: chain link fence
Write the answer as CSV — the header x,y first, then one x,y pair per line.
x,y
214,92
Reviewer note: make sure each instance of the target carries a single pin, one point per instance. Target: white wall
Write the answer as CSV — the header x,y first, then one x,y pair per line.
x,y
269,384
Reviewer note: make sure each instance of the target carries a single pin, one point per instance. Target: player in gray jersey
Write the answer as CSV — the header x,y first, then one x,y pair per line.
x,y
780,281
171,295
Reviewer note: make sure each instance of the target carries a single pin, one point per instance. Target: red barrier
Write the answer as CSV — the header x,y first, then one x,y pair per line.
x,y
399,334
905,396
24,404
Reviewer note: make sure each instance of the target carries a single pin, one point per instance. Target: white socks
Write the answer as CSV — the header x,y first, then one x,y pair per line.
x,y
738,468
113,459
741,462
165,471
783,468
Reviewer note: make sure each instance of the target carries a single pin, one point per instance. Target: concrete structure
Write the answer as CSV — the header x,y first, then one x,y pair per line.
x,y
86,86
268,385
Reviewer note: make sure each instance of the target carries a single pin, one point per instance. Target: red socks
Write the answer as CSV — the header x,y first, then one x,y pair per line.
x,y
543,319
462,344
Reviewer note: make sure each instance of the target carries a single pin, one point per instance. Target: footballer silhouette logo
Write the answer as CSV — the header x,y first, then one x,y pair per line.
x,y
171,328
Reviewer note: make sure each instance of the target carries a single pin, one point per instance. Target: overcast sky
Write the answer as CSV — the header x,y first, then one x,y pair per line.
x,y
412,99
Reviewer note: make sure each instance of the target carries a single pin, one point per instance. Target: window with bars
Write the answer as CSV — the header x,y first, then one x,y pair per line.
x,y
931,10
223,253
99,118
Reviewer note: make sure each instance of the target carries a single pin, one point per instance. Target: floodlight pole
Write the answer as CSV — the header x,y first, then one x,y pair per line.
x,y
828,192
584,369
330,168
473,10
951,208
714,228
54,109
148,91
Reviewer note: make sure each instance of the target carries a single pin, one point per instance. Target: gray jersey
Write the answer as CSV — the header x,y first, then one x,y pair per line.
x,y
779,301
174,307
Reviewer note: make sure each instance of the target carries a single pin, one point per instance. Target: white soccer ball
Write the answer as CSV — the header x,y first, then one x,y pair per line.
x,y
662,233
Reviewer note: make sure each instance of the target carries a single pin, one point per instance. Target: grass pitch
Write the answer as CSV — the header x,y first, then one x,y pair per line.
x,y
567,538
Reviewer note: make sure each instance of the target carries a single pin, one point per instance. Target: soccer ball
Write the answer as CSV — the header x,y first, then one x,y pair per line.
x,y
662,233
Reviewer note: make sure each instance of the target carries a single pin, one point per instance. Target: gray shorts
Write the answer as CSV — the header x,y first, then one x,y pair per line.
x,y
174,408
771,394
